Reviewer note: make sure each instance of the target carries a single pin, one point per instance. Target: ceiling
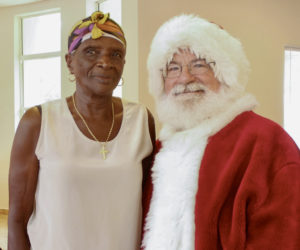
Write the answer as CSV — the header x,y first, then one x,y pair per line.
x,y
6,3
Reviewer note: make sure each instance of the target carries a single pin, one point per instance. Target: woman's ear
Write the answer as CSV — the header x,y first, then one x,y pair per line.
x,y
68,58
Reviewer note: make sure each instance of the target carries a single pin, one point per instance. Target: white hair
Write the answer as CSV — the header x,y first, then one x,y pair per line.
x,y
185,112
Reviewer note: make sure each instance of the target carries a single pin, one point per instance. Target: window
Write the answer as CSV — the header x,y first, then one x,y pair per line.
x,y
39,60
292,93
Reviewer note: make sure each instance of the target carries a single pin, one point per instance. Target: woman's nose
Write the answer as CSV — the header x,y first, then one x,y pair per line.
x,y
104,62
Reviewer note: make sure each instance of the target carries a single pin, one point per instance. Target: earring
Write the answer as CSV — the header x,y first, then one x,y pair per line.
x,y
71,77
121,82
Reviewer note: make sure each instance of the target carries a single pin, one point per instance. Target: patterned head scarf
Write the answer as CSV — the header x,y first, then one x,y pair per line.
x,y
95,26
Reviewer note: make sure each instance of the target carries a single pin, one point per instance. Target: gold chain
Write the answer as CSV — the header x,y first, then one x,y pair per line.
x,y
103,149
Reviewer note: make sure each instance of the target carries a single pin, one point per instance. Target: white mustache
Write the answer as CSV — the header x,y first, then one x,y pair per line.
x,y
188,88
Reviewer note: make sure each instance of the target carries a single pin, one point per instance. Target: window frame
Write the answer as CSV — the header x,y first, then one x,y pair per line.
x,y
286,94
20,59
116,14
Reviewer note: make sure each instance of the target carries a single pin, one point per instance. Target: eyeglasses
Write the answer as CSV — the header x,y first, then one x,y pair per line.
x,y
197,67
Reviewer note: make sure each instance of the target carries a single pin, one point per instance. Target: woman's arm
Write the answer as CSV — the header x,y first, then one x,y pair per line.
x,y
23,175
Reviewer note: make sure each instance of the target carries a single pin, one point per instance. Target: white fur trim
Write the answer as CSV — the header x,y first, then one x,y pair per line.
x,y
207,41
170,221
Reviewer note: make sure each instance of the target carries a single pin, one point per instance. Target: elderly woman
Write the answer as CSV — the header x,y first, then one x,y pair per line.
x,y
77,163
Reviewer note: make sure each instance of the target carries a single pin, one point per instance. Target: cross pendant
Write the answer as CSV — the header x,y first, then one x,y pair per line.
x,y
103,151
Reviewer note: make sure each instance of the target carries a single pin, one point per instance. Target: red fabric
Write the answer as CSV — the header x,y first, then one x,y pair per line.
x,y
249,188
147,186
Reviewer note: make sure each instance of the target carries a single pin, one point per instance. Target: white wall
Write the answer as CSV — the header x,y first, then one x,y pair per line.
x,y
263,26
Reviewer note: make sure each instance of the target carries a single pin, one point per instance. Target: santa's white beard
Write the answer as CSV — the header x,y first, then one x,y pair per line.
x,y
187,110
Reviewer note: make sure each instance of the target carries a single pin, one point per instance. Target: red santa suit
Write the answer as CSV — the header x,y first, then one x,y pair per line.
x,y
230,183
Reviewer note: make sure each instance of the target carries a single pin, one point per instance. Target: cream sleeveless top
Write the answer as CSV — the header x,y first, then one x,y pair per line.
x,y
83,202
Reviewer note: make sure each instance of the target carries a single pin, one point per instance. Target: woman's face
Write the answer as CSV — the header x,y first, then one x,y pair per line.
x,y
97,65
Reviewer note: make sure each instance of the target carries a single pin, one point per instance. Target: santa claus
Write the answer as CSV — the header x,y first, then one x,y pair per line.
x,y
223,176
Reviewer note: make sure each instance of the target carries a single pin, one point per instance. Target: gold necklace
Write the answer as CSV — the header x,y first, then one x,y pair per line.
x,y
103,150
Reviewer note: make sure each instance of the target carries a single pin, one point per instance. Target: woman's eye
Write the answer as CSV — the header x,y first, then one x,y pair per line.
x,y
117,54
90,52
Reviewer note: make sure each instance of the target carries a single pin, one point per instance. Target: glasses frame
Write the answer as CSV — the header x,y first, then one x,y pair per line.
x,y
164,71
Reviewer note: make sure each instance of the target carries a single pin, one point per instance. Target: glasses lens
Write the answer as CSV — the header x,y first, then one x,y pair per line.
x,y
198,67
173,70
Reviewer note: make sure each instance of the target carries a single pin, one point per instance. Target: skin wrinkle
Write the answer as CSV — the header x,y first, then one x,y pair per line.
x,y
187,109
184,57
98,62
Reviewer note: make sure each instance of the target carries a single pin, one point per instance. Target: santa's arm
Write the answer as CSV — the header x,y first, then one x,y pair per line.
x,y
276,223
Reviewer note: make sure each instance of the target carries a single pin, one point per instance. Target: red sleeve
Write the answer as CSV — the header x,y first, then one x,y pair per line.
x,y
276,223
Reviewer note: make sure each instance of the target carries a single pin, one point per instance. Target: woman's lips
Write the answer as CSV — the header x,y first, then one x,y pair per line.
x,y
102,77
